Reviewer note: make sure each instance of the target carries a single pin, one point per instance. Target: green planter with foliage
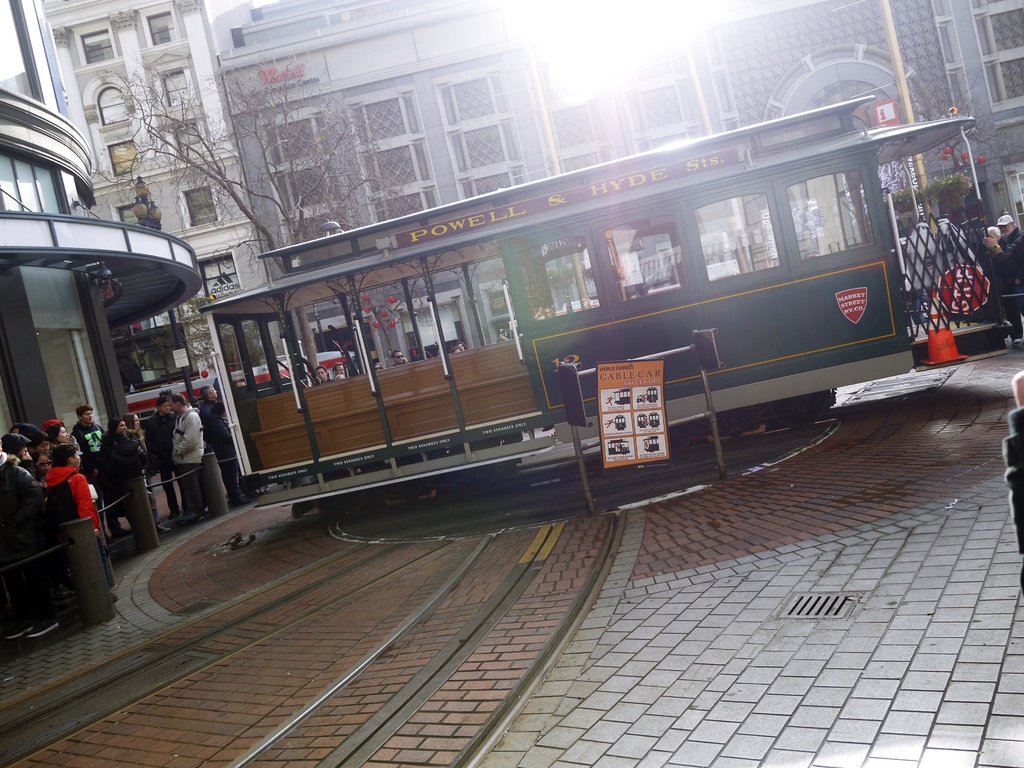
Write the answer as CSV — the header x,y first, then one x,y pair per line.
x,y
948,192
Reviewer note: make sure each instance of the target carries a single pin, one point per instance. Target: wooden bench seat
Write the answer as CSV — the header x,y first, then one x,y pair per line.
x,y
418,399
492,385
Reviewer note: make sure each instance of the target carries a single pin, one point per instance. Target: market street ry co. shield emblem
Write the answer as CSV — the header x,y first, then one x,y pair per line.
x,y
852,303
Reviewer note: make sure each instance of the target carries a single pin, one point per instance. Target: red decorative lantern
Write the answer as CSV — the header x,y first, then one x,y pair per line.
x,y
965,156
392,300
391,323
383,313
366,298
981,159
367,310
376,323
947,151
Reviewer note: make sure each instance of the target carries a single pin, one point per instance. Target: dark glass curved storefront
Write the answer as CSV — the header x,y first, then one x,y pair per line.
x,y
65,279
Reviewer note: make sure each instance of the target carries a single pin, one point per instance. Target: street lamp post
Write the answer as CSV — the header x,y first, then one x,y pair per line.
x,y
148,214
146,211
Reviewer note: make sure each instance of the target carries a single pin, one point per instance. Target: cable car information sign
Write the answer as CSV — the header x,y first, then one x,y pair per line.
x,y
631,395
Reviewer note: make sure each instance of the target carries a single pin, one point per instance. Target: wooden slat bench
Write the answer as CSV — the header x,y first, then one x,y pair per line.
x,y
492,384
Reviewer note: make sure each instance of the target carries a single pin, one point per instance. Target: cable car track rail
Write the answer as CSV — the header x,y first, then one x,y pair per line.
x,y
25,720
440,619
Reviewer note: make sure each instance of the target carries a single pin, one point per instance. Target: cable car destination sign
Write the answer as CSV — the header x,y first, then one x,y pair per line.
x,y
631,398
576,195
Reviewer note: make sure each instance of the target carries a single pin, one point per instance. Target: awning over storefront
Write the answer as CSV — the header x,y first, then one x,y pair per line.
x,y
141,272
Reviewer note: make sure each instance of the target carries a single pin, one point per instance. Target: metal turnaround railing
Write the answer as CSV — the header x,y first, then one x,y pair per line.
x,y
948,276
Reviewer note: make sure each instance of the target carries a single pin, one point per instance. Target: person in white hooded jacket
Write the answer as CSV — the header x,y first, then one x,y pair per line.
x,y
187,455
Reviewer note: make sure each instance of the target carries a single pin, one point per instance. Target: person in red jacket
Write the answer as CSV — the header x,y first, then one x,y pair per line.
x,y
61,506
65,469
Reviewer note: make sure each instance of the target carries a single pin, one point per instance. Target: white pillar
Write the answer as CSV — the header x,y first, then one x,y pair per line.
x,y
197,33
62,36
125,24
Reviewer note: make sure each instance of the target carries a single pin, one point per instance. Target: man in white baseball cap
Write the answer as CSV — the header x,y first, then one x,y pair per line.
x,y
1008,260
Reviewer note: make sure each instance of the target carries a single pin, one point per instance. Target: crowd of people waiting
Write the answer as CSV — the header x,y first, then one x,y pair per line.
x,y
49,476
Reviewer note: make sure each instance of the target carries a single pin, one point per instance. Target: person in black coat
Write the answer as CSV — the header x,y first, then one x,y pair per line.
x,y
21,515
218,437
1013,456
159,432
1007,253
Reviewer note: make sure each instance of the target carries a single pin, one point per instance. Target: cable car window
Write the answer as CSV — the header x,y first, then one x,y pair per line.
x,y
646,257
737,236
830,214
559,278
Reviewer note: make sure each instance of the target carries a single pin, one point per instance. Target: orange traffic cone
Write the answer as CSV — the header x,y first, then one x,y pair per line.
x,y
941,344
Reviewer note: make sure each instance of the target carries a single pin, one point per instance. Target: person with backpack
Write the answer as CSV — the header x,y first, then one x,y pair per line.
x,y
67,491
67,498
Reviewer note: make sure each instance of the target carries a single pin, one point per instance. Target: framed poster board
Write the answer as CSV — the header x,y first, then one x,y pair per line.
x,y
631,398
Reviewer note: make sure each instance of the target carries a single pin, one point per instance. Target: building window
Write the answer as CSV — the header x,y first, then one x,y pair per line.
x,y
219,275
98,47
201,209
398,154
481,134
189,139
161,28
112,106
126,214
15,73
123,157
176,88
391,118
26,188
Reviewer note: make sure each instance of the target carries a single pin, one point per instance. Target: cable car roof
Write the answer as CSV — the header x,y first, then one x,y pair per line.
x,y
323,283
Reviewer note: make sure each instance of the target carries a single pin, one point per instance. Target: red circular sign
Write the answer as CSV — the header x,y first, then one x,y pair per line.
x,y
963,289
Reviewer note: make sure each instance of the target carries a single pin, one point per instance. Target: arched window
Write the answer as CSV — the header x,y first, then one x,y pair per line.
x,y
112,106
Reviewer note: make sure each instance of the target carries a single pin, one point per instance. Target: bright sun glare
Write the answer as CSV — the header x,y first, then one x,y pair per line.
x,y
587,45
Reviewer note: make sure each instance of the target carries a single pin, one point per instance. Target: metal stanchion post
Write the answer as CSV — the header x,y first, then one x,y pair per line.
x,y
87,573
213,487
140,515
713,420
587,495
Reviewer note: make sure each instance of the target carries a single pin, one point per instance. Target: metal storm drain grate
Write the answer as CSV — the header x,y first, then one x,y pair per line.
x,y
834,606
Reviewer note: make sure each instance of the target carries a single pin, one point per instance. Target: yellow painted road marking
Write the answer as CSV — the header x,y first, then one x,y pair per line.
x,y
542,543
550,544
535,545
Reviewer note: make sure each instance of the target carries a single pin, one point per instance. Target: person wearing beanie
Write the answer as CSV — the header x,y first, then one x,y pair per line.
x,y
16,447
23,428
14,443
